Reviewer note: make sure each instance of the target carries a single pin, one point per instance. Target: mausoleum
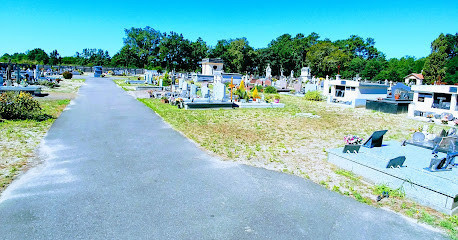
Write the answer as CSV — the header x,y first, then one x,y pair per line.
x,y
355,93
433,100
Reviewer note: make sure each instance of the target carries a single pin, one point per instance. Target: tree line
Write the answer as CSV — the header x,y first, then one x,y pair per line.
x,y
151,49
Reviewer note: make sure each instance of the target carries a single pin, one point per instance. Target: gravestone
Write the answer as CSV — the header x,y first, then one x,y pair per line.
x,y
9,83
1,79
204,84
205,92
184,86
281,84
160,82
193,92
219,91
292,74
180,83
18,75
297,87
36,73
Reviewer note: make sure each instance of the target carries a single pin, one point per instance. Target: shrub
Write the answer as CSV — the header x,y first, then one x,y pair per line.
x,y
313,96
48,84
18,106
67,75
270,89
259,88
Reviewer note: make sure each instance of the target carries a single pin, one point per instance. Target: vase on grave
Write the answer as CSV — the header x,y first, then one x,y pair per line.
x,y
351,148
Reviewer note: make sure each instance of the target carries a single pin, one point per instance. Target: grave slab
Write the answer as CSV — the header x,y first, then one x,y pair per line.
x,y
438,190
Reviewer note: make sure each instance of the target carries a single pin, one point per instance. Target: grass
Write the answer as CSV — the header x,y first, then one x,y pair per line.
x,y
19,138
127,87
280,140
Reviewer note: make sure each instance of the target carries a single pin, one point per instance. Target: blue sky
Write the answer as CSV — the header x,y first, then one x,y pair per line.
x,y
399,28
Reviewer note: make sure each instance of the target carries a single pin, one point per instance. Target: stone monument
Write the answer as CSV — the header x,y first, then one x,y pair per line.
x,y
268,72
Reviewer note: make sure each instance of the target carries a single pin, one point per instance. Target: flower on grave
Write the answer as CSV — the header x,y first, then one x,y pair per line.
x,y
255,93
352,140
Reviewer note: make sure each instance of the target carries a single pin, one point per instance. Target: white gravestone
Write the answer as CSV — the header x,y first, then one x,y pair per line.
x,y
281,84
180,83
297,87
193,93
219,91
205,92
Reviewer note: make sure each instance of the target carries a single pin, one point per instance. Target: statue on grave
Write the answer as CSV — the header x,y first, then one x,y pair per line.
x,y
268,71
292,73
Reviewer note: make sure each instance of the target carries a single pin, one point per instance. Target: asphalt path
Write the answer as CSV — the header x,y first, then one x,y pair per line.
x,y
112,169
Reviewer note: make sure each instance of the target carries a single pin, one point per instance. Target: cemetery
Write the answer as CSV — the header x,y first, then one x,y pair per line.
x,y
213,89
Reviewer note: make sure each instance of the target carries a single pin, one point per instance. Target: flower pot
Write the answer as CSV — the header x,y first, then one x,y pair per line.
x,y
351,148
397,97
277,101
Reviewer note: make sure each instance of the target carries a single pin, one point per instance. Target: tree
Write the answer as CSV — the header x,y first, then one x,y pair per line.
x,y
434,68
451,72
54,58
38,55
199,51
126,57
325,57
174,52
144,42
373,68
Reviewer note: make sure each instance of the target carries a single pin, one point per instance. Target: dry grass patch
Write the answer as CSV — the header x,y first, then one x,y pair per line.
x,y
19,138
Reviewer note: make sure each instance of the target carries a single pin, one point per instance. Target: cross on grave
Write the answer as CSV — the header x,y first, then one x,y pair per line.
x,y
232,86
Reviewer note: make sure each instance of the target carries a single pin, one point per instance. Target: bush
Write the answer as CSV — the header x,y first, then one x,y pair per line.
x,y
18,106
67,75
48,83
258,87
314,96
270,89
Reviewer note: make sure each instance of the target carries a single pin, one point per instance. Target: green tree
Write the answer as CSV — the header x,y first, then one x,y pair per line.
x,y
325,57
126,57
144,42
434,68
38,55
174,52
54,58
451,73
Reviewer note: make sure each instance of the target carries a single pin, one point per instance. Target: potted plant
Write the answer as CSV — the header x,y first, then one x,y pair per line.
x,y
397,96
352,143
164,100
277,98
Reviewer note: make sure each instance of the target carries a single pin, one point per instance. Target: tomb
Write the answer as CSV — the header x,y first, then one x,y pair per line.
x,y
355,93
432,101
211,65
424,170
397,102
97,71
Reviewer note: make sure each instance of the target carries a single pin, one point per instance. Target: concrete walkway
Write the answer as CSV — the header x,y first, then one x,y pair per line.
x,y
114,170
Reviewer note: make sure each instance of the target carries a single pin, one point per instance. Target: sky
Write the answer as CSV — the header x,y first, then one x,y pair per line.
x,y
400,28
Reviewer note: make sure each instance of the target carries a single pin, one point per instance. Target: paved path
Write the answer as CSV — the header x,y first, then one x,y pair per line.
x,y
114,170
